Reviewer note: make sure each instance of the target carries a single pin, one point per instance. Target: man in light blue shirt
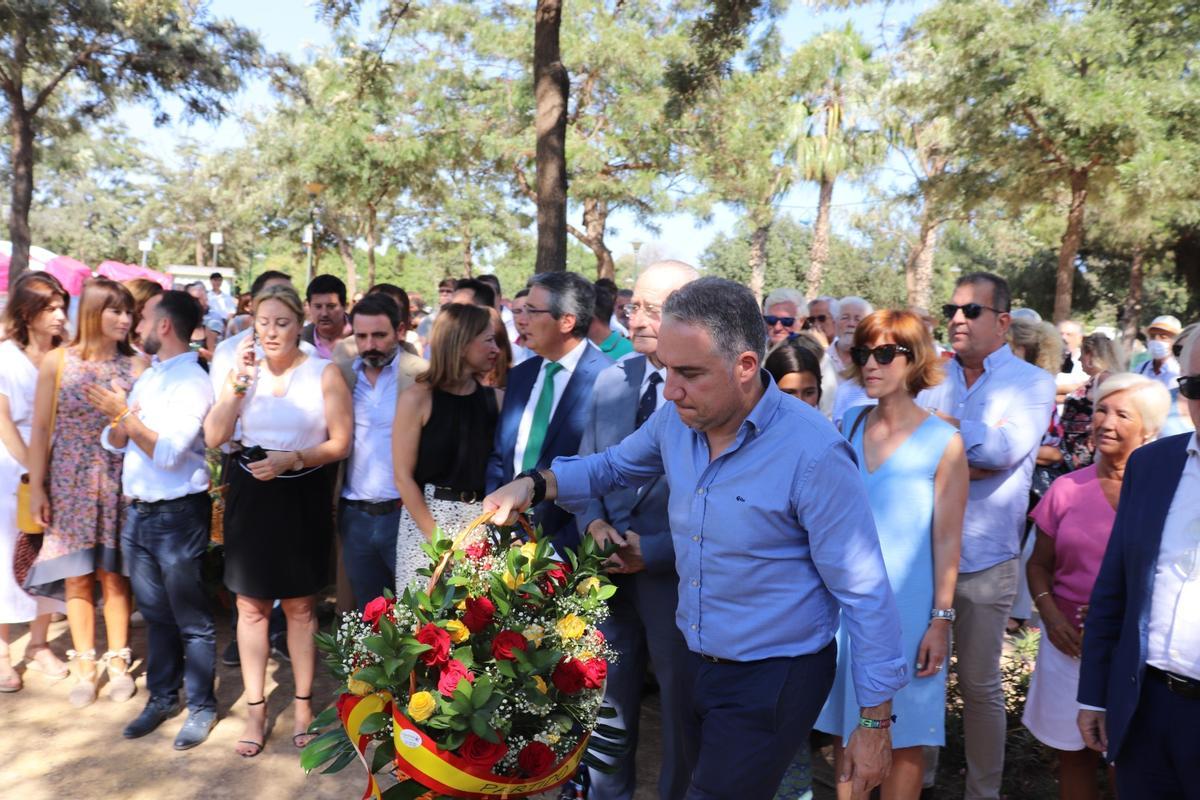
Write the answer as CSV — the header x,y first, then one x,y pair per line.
x,y
1001,406
773,536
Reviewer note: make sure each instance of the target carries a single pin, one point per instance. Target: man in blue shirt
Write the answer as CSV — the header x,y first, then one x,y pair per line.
x,y
773,536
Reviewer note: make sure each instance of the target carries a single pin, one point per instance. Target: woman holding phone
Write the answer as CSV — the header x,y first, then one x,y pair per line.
x,y
296,421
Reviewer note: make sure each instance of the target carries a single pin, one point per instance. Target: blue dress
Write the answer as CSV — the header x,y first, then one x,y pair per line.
x,y
901,497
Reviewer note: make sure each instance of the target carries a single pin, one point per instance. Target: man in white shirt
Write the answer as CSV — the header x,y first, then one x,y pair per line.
x,y
218,301
165,536
369,514
848,394
1068,381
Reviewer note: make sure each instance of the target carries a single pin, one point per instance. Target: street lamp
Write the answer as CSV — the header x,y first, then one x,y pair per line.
x,y
216,240
144,245
636,245
313,189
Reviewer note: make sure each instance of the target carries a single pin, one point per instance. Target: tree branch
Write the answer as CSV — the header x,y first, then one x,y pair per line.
x,y
523,183
1043,139
47,90
578,234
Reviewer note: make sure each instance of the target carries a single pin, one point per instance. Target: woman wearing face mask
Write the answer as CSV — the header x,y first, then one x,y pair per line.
x,y
445,423
915,470
1073,522
296,420
34,324
75,487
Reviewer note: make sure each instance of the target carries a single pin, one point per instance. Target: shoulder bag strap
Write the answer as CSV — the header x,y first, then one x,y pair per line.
x,y
58,373
854,428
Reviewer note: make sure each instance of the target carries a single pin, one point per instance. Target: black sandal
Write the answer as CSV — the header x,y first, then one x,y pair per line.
x,y
300,745
257,745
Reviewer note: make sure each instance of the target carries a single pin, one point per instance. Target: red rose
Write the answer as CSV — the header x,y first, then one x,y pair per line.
x,y
479,614
595,670
482,753
479,549
454,672
568,676
376,609
505,642
439,645
556,575
536,759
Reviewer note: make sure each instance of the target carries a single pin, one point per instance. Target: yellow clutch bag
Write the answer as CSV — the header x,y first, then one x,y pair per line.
x,y
26,522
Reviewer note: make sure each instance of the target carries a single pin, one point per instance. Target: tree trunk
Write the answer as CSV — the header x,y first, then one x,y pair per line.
x,y
1064,277
371,219
1131,310
199,251
347,256
818,254
468,253
21,124
550,86
595,223
758,260
918,271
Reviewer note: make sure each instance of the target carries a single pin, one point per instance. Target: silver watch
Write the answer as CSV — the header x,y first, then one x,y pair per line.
x,y
942,613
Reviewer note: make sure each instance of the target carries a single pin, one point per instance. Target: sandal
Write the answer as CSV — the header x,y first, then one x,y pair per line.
x,y
11,680
44,660
120,684
258,746
301,740
83,693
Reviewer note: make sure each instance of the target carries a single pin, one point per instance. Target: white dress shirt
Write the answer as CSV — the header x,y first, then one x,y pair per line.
x,y
568,362
221,303
1167,375
172,398
1173,635
369,474
222,360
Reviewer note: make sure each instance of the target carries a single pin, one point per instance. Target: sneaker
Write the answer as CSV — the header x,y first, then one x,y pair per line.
x,y
156,712
196,728
230,657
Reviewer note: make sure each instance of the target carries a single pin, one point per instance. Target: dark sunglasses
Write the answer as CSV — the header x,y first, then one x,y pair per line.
x,y
1189,387
970,310
884,354
819,318
771,319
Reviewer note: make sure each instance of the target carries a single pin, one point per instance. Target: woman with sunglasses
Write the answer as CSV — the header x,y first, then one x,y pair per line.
x,y
915,470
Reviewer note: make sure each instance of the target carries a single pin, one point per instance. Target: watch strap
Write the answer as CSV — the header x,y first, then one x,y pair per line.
x,y
539,486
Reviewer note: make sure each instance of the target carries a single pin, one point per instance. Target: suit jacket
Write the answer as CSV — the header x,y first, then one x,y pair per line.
x,y
1113,667
562,435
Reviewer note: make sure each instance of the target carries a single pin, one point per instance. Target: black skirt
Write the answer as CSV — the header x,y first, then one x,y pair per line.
x,y
278,532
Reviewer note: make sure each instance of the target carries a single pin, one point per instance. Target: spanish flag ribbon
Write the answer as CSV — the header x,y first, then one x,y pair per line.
x,y
353,711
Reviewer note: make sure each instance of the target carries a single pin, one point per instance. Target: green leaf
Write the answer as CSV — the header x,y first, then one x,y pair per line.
x,y
606,592
323,720
373,723
506,669
405,790
376,644
341,762
383,755
482,691
372,675
482,728
323,748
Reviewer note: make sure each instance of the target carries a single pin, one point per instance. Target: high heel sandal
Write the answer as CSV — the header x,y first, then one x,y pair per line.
x,y
258,746
83,693
301,740
120,684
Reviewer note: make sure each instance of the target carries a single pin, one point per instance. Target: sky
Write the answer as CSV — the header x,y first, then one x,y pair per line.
x,y
291,27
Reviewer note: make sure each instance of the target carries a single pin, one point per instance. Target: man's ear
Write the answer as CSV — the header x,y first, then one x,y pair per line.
x,y
566,323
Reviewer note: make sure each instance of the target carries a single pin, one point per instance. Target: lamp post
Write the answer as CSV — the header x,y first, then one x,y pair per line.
x,y
144,245
637,246
216,240
313,189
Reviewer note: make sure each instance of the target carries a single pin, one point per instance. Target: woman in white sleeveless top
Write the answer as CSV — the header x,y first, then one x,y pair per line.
x,y
296,423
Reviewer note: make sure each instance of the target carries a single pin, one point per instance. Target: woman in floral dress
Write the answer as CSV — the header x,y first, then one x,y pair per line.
x,y
76,487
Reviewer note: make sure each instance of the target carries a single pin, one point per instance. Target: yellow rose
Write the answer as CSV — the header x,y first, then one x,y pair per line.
x,y
528,550
535,634
510,580
540,684
588,585
360,688
458,632
586,655
421,706
570,627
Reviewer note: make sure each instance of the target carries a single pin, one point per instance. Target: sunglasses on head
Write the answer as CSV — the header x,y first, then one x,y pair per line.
x,y
771,319
970,310
884,354
1189,387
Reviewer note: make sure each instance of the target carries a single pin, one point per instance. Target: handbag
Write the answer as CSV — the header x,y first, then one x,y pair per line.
x,y
26,521
24,554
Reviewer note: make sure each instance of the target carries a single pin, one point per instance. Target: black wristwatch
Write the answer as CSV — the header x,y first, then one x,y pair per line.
x,y
539,485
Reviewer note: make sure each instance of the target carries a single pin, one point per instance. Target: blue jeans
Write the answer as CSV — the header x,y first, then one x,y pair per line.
x,y
368,551
164,549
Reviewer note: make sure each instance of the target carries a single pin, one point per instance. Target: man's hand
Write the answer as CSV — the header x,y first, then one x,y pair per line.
x,y
866,760
629,553
603,533
509,500
1091,728
109,402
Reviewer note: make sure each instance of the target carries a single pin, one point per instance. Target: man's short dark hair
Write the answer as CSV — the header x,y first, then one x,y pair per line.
x,y
326,284
727,310
484,295
264,278
607,283
624,293
447,283
570,293
216,276
398,296
494,282
522,292
606,300
376,304
1001,294
183,311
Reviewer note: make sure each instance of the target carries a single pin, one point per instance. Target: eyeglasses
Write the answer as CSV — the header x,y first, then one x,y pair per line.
x,y
649,309
771,319
519,312
884,354
1189,387
819,318
970,310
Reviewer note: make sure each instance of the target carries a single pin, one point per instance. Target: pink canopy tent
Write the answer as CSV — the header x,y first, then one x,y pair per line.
x,y
71,274
125,272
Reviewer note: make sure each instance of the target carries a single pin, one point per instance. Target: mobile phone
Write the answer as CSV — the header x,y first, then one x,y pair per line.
x,y
254,453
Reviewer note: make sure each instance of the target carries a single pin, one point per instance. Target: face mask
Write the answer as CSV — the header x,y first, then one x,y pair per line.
x,y
1158,348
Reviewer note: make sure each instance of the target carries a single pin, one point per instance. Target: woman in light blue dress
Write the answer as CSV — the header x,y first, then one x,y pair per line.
x,y
915,471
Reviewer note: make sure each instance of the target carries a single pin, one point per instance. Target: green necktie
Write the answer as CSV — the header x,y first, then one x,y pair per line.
x,y
541,417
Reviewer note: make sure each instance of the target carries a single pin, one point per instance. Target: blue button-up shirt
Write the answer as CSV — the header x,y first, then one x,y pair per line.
x,y
770,538
1002,417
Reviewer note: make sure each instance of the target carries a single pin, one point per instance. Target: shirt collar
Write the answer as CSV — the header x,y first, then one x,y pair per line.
x,y
998,357
766,406
186,357
1193,446
571,360
610,342
359,367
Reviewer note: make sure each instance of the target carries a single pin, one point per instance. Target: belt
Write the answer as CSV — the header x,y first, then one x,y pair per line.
x,y
458,496
1188,688
163,506
375,508
716,660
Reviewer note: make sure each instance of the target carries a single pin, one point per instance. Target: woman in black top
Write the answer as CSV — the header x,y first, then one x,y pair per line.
x,y
443,434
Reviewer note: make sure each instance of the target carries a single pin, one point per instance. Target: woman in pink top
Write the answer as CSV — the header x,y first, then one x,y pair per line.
x,y
1073,522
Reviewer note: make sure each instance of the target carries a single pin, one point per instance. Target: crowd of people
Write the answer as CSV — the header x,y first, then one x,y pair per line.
x,y
812,505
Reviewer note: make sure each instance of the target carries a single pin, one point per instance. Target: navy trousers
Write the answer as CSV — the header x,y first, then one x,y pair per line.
x,y
745,721
163,550
641,623
368,551
1158,759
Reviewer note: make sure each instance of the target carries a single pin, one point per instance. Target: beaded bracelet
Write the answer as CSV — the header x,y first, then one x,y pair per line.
x,y
867,722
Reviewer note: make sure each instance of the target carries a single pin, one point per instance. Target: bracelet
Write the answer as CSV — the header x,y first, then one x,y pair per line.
x,y
117,419
539,486
876,724
1039,596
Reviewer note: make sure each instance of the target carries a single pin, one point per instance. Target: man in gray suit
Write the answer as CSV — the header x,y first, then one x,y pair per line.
x,y
642,622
